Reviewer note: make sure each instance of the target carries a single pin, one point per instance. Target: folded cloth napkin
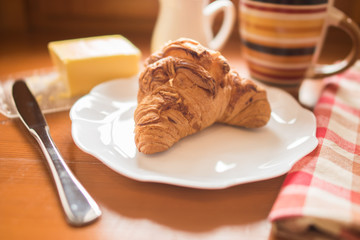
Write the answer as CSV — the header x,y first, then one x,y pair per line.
x,y
320,197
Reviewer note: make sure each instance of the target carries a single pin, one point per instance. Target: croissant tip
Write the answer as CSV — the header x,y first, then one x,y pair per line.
x,y
152,148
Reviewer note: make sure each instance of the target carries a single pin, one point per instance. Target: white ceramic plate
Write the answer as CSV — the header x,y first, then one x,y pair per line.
x,y
217,157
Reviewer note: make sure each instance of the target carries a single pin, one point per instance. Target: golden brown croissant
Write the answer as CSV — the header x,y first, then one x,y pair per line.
x,y
186,88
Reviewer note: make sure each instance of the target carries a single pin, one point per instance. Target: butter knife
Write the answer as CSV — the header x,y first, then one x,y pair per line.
x,y
79,207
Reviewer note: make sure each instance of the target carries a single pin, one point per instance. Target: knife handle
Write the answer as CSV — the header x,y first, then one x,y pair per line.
x,y
79,207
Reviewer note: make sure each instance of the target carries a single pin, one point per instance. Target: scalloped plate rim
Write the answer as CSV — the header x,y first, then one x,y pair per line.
x,y
151,175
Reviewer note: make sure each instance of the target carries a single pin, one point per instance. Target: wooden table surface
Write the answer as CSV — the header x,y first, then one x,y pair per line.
x,y
29,205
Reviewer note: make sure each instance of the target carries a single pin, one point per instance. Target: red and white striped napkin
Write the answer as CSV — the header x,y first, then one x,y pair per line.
x,y
320,197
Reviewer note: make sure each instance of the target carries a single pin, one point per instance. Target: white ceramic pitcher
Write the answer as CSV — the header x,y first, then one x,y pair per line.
x,y
192,19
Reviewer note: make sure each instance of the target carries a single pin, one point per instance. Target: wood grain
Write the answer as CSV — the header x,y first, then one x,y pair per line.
x,y
132,210
29,207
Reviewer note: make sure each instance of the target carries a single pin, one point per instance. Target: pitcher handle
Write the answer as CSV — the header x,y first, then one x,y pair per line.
x,y
210,11
340,20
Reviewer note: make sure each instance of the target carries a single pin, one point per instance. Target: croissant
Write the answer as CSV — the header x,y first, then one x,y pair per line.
x,y
185,88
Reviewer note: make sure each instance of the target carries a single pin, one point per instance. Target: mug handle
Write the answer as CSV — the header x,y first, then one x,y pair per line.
x,y
338,19
210,12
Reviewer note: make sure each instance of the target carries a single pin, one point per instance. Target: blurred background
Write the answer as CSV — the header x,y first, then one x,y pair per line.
x,y
88,17
33,23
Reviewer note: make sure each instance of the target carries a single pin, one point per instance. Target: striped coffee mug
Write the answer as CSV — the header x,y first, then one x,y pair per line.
x,y
282,40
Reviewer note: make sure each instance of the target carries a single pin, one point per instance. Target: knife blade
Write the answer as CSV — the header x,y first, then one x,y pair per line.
x,y
79,207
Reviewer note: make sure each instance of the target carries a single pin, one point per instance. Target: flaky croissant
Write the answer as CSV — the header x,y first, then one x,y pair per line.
x,y
186,88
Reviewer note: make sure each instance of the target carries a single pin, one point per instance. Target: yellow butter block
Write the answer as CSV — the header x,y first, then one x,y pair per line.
x,y
84,63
